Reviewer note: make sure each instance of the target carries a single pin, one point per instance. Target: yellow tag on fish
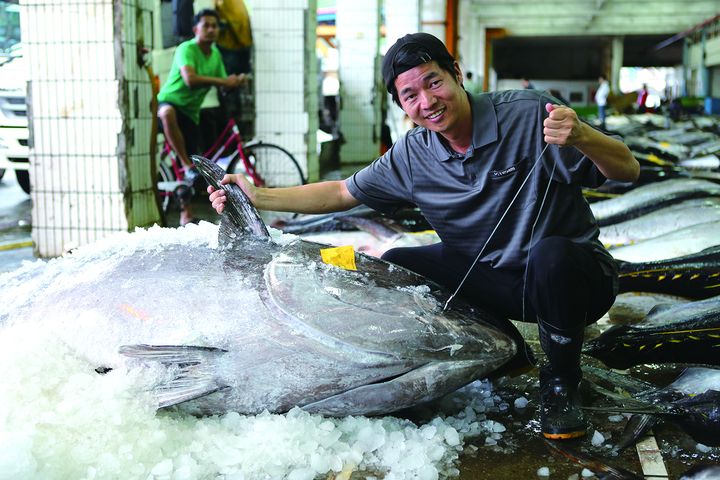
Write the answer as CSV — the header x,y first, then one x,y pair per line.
x,y
343,257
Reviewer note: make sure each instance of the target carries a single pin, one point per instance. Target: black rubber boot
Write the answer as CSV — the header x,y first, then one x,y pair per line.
x,y
561,415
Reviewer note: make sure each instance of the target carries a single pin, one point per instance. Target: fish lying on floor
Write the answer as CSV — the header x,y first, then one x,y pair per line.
x,y
684,333
633,307
668,219
695,276
651,197
686,402
372,237
686,241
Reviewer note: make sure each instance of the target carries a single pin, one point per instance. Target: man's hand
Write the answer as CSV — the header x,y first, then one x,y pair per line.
x,y
218,198
562,126
235,81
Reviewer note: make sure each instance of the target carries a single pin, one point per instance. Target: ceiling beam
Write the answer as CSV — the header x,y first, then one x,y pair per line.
x,y
593,17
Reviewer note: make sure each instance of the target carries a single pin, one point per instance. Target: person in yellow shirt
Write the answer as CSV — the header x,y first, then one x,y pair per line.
x,y
235,38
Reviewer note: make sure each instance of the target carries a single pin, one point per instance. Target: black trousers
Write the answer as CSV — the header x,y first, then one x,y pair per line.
x,y
564,290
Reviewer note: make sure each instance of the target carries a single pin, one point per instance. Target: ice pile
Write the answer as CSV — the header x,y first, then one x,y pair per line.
x,y
60,419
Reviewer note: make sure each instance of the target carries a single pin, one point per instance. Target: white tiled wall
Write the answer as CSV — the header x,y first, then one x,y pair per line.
x,y
89,118
286,83
358,37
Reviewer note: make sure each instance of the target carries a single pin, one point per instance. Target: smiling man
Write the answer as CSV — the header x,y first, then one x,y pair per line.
x,y
499,176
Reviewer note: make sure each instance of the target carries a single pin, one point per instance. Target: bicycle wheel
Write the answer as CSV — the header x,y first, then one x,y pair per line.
x,y
275,166
166,179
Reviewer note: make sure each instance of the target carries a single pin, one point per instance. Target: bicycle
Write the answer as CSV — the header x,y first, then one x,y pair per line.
x,y
264,165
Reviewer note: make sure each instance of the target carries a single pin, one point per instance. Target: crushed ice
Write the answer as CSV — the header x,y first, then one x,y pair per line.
x,y
62,420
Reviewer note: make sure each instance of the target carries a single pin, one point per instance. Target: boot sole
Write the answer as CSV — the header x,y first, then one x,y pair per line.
x,y
564,436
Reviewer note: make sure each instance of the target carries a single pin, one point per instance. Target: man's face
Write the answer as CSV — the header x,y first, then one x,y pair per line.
x,y
206,29
432,97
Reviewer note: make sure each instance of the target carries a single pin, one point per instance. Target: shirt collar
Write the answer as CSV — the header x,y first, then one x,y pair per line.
x,y
485,129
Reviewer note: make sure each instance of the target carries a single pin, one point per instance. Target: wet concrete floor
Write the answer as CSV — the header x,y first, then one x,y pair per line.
x,y
520,451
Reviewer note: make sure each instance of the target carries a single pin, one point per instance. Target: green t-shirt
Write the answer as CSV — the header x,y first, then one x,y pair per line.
x,y
188,100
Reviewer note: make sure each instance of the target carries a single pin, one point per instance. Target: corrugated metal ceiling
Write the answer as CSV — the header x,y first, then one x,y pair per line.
x,y
593,17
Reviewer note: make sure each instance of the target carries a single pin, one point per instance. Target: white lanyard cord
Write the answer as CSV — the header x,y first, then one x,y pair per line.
x,y
532,233
498,224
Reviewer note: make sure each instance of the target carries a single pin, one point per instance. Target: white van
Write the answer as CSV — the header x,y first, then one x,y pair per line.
x,y
13,91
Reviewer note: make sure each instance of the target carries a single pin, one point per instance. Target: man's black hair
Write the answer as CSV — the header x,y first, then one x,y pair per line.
x,y
409,52
205,12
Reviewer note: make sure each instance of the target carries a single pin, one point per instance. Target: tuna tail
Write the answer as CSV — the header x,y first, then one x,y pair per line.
x,y
604,347
193,377
635,428
596,464
240,215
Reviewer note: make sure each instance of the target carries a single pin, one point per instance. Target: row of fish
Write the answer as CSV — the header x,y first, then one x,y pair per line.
x,y
664,233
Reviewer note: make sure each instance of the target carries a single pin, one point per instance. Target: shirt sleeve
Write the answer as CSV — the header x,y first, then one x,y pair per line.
x,y
185,56
386,184
571,165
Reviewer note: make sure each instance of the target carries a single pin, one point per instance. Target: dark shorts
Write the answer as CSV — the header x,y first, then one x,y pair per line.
x,y
189,129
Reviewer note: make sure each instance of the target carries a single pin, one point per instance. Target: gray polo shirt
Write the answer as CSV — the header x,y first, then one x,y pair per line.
x,y
463,196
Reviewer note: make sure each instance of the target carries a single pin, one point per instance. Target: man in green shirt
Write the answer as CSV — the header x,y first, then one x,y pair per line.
x,y
197,66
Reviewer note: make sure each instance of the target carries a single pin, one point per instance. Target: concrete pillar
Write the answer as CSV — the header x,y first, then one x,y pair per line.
x,y
286,78
401,17
471,43
433,18
704,87
90,120
616,63
358,39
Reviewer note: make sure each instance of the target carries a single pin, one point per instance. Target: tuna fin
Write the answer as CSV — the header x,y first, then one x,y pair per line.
x,y
193,379
240,216
660,307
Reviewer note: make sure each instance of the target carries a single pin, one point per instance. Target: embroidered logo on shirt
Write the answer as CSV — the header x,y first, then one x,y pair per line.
x,y
502,173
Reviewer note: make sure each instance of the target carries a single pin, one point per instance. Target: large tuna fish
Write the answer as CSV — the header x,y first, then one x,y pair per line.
x,y
694,276
651,197
255,325
404,219
663,221
684,333
373,237
686,241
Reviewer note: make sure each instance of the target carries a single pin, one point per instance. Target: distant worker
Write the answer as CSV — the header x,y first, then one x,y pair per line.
x,y
197,66
642,99
527,84
471,85
235,38
601,96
